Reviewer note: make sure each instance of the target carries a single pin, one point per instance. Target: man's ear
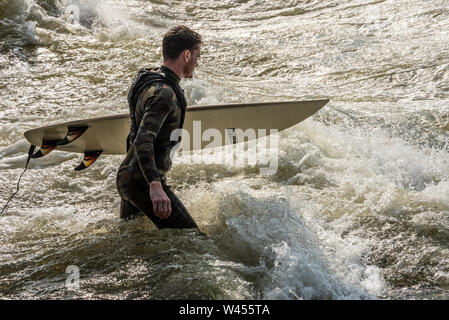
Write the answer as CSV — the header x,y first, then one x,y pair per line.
x,y
187,55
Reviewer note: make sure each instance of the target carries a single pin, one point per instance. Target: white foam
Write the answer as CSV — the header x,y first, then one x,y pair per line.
x,y
354,152
295,267
201,92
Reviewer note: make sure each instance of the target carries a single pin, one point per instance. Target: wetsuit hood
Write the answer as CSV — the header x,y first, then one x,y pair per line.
x,y
146,77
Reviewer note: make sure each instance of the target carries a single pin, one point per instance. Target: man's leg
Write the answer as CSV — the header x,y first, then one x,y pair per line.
x,y
179,215
139,197
128,211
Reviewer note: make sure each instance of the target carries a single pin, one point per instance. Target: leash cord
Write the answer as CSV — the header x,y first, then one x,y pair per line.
x,y
30,152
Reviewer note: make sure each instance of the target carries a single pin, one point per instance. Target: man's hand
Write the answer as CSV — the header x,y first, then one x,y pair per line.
x,y
161,203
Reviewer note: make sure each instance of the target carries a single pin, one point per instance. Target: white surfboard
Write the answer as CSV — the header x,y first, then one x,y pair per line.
x,y
107,135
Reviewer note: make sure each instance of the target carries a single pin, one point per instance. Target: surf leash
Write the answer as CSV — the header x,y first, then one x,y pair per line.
x,y
30,152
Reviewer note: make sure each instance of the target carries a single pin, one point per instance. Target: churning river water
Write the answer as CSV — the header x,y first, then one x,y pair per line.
x,y
359,205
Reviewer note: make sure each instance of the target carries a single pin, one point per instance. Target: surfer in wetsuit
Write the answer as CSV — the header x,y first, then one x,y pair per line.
x,y
157,107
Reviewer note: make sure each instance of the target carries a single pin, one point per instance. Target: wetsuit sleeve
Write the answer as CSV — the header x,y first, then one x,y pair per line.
x,y
157,107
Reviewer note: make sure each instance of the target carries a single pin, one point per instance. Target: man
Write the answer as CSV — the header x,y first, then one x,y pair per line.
x,y
157,107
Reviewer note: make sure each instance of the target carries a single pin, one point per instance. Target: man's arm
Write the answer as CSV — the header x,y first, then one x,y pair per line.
x,y
157,108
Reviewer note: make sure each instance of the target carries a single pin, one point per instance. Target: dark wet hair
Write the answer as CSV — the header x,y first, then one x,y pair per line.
x,y
177,40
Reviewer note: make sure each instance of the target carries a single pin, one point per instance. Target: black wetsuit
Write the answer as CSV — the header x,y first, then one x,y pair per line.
x,y
155,113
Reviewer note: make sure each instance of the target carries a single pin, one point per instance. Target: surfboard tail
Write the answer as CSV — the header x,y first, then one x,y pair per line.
x,y
48,146
89,158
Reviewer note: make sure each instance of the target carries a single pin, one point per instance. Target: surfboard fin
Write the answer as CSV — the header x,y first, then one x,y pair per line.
x,y
89,158
46,147
73,133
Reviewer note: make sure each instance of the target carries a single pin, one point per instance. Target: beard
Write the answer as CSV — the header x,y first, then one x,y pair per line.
x,y
188,71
